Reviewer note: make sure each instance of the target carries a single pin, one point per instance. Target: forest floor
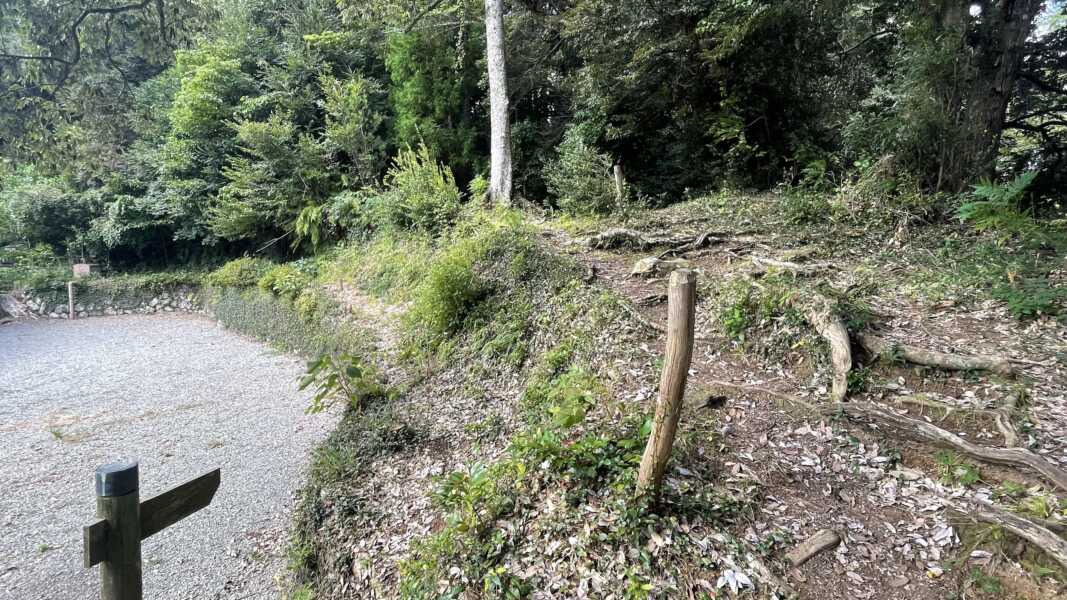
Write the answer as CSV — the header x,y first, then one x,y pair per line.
x,y
886,499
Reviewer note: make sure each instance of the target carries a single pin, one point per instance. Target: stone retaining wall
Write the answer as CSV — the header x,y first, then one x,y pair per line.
x,y
95,302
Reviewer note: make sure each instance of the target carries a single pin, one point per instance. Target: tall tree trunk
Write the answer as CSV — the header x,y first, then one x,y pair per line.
x,y
999,48
500,128
989,63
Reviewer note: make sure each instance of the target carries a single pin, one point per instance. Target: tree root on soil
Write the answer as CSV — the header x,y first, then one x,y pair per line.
x,y
952,362
1042,533
920,431
1027,529
677,243
799,269
619,238
830,326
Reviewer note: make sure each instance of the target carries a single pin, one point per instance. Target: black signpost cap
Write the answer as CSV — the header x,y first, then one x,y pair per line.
x,y
117,479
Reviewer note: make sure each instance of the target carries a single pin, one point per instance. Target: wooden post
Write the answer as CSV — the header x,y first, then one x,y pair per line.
x,y
118,503
681,315
70,298
620,184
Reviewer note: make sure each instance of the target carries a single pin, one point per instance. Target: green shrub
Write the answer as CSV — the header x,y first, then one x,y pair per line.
x,y
450,291
580,178
1030,297
31,268
241,272
341,378
420,195
805,207
995,207
561,400
278,321
286,281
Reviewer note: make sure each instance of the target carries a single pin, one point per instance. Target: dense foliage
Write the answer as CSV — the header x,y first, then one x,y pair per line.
x,y
167,132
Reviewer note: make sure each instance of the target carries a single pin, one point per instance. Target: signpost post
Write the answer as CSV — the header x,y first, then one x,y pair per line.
x,y
114,542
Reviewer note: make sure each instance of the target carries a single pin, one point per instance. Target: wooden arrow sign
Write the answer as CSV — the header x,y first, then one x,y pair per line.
x,y
157,514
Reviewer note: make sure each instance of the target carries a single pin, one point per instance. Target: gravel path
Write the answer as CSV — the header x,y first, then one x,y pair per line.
x,y
183,396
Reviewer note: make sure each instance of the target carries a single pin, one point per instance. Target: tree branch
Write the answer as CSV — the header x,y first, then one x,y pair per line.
x,y
429,9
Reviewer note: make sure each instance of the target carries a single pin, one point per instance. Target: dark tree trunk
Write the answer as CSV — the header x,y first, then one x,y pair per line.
x,y
991,59
999,44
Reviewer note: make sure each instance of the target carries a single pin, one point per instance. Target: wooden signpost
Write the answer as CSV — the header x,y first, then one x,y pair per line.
x,y
114,542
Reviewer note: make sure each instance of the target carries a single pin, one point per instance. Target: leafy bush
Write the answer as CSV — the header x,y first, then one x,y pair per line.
x,y
286,281
803,206
1031,297
42,210
278,321
996,207
563,399
421,195
31,267
450,291
340,378
580,178
241,272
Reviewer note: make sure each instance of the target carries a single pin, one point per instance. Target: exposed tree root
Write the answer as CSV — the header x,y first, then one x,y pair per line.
x,y
830,326
946,409
656,326
799,269
677,243
1005,421
1036,534
620,238
922,431
953,362
652,300
821,540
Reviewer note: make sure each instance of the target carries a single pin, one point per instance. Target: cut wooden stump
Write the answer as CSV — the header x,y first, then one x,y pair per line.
x,y
821,540
919,356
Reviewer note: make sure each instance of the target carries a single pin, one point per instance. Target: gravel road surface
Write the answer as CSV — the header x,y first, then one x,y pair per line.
x,y
181,395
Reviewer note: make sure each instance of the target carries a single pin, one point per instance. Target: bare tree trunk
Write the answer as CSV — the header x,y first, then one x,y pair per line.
x,y
500,128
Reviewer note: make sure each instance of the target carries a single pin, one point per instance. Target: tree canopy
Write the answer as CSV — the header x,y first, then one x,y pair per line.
x,y
177,130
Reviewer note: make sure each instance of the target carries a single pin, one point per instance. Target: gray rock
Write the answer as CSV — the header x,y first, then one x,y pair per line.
x,y
652,266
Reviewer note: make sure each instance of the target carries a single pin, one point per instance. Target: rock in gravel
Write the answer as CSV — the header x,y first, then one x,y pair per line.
x,y
824,539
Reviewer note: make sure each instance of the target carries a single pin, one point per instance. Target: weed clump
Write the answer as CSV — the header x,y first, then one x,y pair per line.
x,y
240,273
